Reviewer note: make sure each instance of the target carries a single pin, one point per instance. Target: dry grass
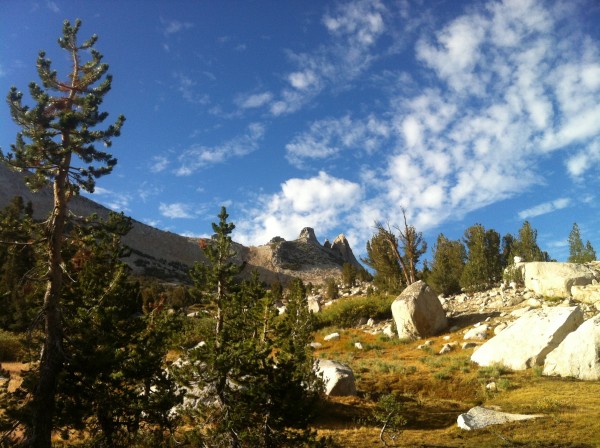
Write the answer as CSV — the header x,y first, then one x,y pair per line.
x,y
438,388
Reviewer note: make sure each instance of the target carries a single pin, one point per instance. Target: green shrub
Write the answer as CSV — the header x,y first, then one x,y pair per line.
x,y
347,313
10,347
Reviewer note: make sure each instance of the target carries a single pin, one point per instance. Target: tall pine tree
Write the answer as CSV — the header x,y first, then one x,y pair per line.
x,y
57,144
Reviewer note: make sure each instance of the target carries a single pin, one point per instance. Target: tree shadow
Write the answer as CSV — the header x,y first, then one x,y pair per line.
x,y
469,319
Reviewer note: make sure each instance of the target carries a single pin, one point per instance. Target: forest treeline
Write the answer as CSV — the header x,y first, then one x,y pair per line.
x,y
474,263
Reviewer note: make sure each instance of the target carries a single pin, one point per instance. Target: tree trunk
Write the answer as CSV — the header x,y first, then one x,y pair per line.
x,y
51,362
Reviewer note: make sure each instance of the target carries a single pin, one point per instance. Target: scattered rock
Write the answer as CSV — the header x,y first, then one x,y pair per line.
x,y
480,417
358,345
316,345
418,313
479,333
447,348
332,337
338,377
467,345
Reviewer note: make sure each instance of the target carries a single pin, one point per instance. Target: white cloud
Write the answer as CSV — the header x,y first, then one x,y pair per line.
x,y
176,210
302,80
187,87
319,202
52,6
174,26
354,27
327,138
118,202
158,164
255,100
585,159
198,156
545,208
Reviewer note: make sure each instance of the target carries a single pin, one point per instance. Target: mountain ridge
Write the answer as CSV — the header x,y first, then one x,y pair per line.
x,y
169,256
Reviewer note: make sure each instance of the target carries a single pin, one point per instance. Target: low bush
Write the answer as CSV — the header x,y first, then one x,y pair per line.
x,y
11,348
346,313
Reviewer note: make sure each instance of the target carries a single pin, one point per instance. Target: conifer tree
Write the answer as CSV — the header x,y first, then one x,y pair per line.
x,y
578,253
19,294
253,363
448,264
57,144
484,266
381,258
526,245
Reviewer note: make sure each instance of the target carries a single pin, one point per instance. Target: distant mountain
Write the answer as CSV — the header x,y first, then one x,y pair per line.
x,y
168,256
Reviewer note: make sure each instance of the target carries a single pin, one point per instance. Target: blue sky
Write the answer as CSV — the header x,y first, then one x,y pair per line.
x,y
336,114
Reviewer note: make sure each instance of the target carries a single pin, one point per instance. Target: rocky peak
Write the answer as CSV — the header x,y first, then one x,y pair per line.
x,y
308,235
342,247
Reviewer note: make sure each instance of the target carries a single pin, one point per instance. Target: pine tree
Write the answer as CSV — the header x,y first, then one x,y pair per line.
x,y
578,253
349,274
114,385
57,144
254,363
19,293
447,267
526,245
484,265
381,258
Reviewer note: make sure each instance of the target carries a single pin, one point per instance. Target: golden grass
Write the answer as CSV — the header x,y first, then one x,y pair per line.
x,y
436,389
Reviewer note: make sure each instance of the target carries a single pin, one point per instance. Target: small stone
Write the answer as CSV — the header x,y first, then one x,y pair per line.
x,y
358,345
468,345
446,348
332,337
316,345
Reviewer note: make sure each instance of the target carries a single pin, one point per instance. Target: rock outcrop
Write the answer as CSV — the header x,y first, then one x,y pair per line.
x,y
553,279
342,247
578,355
338,377
480,417
418,312
526,342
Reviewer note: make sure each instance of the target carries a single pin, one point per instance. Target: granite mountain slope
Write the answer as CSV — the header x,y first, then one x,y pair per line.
x,y
168,256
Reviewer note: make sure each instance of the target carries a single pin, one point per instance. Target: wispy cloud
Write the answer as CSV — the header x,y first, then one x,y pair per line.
x,y
254,100
329,137
199,156
171,26
188,88
158,164
176,210
118,202
52,6
354,28
545,208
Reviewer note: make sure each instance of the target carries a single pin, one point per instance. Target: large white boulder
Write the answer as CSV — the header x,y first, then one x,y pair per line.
x,y
526,342
418,312
480,417
578,355
338,377
553,279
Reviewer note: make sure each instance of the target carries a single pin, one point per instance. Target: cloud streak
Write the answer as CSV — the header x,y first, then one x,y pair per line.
x,y
198,157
